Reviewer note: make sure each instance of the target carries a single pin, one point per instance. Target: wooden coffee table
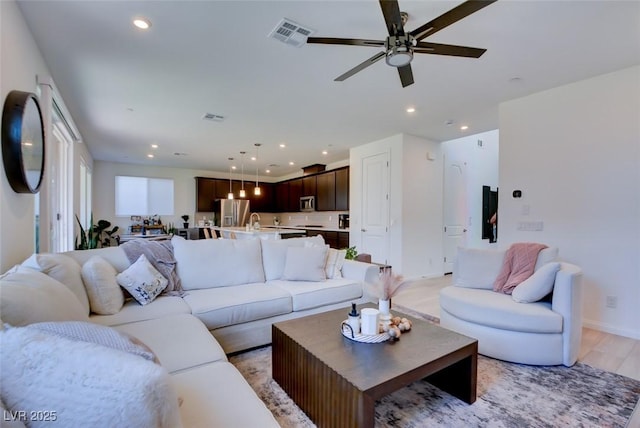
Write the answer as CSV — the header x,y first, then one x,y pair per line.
x,y
336,381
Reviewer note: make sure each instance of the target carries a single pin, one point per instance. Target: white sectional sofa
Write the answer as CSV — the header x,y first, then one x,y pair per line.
x,y
543,328
233,291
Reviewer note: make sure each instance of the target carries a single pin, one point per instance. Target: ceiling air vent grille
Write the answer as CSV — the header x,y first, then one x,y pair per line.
x,y
213,117
291,33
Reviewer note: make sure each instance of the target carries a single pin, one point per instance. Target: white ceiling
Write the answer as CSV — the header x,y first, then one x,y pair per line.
x,y
127,89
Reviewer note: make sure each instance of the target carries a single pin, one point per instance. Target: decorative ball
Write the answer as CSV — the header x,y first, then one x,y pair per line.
x,y
394,332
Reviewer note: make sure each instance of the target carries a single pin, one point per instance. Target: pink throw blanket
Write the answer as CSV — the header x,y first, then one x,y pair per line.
x,y
518,265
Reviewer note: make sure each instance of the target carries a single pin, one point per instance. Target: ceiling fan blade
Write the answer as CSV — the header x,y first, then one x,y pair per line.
x,y
452,50
377,57
392,18
450,17
406,75
338,41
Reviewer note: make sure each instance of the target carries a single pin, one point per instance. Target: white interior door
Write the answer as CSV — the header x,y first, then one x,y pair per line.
x,y
455,210
375,207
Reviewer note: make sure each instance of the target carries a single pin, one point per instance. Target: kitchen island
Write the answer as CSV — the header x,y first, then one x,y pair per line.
x,y
262,233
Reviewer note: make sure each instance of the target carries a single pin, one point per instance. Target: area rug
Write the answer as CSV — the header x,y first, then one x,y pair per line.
x,y
508,395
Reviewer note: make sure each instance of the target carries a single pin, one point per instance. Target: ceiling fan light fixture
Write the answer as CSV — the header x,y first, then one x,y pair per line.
x,y
399,56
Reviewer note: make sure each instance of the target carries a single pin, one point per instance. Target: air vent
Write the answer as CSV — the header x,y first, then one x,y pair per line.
x,y
213,117
291,33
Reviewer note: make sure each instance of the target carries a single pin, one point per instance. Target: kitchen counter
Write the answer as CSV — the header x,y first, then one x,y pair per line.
x,y
266,232
304,228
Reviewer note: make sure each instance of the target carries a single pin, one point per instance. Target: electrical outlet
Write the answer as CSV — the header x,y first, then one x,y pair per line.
x,y
612,302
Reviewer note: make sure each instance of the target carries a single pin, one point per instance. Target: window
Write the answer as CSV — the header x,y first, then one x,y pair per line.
x,y
143,196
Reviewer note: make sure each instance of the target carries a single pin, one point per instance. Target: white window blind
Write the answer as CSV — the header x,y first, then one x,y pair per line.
x,y
143,196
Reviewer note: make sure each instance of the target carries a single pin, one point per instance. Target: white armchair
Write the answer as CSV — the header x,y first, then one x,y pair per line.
x,y
545,332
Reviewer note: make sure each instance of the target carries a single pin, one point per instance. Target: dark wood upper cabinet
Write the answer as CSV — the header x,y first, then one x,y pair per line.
x,y
205,194
282,196
326,191
342,189
309,186
295,192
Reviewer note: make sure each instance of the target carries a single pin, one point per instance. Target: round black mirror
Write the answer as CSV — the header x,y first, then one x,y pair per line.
x,y
23,141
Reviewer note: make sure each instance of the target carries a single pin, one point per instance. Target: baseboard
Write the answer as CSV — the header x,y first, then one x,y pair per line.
x,y
607,328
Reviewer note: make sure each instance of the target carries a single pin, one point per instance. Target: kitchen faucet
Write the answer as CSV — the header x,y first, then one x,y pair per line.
x,y
252,223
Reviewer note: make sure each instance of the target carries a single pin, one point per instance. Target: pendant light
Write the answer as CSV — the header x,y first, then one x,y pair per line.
x,y
243,194
256,190
230,195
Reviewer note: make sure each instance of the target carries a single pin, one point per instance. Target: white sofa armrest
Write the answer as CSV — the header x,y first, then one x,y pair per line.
x,y
567,301
366,273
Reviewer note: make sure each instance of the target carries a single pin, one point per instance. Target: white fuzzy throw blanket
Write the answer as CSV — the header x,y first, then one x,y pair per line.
x,y
160,255
82,384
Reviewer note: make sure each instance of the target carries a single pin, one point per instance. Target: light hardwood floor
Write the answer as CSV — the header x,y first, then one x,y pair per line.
x,y
605,351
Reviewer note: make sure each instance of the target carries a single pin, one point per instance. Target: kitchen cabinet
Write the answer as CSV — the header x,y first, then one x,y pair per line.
x,y
326,191
342,189
343,240
205,194
282,196
295,192
309,186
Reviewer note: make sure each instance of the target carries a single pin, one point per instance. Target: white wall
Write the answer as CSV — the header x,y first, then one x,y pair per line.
x,y
415,203
21,62
574,151
481,169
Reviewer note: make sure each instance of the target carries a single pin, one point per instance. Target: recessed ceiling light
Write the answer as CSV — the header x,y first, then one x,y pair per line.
x,y
253,158
268,171
233,167
324,152
283,145
154,146
411,110
150,155
291,163
142,23
464,127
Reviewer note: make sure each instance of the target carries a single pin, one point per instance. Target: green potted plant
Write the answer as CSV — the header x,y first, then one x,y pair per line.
x,y
94,236
351,253
185,218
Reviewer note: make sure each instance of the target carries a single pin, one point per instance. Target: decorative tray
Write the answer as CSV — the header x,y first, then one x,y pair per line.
x,y
363,338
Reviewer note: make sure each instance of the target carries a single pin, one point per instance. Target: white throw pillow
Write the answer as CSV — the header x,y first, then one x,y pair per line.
x,y
477,268
142,281
547,255
105,295
208,263
64,269
28,296
335,260
83,383
538,285
305,264
274,253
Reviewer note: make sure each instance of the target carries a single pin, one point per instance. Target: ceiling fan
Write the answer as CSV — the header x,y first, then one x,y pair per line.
x,y
400,45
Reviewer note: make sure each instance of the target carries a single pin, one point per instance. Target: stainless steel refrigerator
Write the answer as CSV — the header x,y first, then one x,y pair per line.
x,y
232,212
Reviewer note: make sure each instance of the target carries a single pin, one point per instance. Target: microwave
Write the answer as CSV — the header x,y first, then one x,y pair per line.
x,y
308,203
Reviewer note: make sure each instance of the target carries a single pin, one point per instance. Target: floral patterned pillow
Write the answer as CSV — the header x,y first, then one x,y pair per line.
x,y
142,281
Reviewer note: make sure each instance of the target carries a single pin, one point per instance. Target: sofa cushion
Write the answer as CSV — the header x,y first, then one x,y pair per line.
x,y
547,255
222,306
162,306
142,281
335,261
274,254
498,310
105,295
179,341
307,294
84,383
216,395
305,263
477,268
114,255
64,269
97,334
208,263
28,296
538,285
